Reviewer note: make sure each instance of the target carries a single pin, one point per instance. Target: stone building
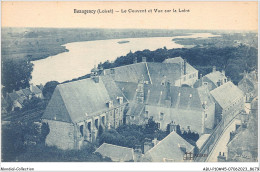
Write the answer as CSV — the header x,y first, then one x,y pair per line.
x,y
212,80
178,72
229,101
189,75
16,99
249,85
78,110
193,109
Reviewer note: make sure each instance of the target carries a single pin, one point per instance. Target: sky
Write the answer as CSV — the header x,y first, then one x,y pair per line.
x,y
202,15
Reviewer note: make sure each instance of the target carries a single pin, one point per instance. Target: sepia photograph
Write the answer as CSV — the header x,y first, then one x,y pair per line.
x,y
170,85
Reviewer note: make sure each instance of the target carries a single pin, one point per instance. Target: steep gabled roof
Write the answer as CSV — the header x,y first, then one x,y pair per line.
x,y
226,94
215,77
169,148
56,109
178,60
116,153
181,97
174,60
152,73
128,88
13,96
158,71
27,91
81,99
35,90
128,73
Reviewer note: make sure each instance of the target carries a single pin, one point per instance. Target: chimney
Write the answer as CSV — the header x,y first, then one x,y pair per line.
x,y
143,59
137,153
147,145
223,72
221,158
155,141
184,66
172,127
96,79
201,79
214,69
31,87
135,60
219,83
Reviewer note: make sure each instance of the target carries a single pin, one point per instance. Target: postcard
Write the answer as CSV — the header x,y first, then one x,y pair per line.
x,y
123,85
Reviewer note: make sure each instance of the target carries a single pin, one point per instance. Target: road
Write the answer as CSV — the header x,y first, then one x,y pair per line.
x,y
221,145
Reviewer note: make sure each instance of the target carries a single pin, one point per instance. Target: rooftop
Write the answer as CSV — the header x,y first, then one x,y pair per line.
x,y
226,94
116,153
169,148
81,99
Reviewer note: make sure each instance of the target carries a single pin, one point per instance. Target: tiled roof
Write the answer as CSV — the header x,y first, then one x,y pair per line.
x,y
181,97
20,93
27,91
169,148
177,60
128,88
13,96
226,94
83,98
202,140
116,153
158,71
215,77
35,90
205,96
246,85
135,109
173,60
152,73
128,73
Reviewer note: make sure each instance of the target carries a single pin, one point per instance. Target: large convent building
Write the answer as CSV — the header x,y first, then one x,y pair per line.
x,y
167,92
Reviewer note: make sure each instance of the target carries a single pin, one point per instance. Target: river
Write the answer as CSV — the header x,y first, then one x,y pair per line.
x,y
82,56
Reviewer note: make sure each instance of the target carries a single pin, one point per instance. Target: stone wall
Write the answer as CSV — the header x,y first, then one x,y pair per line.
x,y
61,134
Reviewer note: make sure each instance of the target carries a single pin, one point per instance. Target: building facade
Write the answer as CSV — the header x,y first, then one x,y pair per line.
x,y
79,111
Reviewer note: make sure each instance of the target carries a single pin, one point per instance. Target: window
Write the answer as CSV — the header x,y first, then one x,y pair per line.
x,y
159,125
96,123
89,126
188,127
81,130
161,116
103,119
146,114
132,117
206,115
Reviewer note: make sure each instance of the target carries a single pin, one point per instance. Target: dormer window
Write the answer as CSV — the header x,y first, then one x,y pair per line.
x,y
110,104
120,100
112,71
161,116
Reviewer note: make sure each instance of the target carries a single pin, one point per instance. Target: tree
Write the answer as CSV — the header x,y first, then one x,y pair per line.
x,y
151,127
49,88
16,73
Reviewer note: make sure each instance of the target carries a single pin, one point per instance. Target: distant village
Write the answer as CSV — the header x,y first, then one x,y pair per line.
x,y
171,93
